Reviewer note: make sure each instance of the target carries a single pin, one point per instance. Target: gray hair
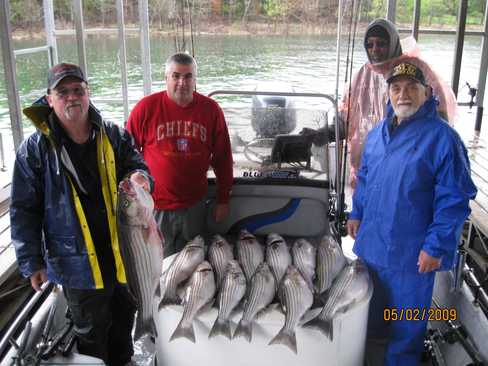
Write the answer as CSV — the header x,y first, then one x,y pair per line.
x,y
181,58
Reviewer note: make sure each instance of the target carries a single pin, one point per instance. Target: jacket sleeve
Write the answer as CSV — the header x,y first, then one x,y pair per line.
x,y
221,160
26,208
453,190
129,160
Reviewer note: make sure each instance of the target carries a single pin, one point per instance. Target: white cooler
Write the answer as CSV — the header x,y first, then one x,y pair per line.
x,y
314,348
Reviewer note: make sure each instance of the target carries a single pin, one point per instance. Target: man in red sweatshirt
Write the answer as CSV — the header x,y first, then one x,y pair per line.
x,y
181,133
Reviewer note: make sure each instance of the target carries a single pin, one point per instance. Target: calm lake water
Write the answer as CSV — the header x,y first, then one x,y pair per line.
x,y
304,63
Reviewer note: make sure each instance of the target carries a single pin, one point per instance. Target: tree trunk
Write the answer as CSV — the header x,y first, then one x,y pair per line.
x,y
217,7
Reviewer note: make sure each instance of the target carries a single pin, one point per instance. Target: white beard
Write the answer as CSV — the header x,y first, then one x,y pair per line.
x,y
403,112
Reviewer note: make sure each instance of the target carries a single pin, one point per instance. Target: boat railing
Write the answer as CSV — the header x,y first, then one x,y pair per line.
x,y
339,204
19,322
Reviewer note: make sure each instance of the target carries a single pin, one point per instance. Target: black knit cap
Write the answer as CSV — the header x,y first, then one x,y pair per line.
x,y
378,31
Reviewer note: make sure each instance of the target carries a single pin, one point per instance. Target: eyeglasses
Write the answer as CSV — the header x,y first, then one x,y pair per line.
x,y
79,91
379,44
185,77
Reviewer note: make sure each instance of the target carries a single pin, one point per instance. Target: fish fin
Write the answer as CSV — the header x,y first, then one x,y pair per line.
x,y
146,234
309,315
220,327
183,332
323,325
205,308
309,282
154,330
318,301
286,338
267,309
244,329
157,289
166,300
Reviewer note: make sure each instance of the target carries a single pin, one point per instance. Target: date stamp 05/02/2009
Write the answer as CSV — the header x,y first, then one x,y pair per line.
x,y
420,314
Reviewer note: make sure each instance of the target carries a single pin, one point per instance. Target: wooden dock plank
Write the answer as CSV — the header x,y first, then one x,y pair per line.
x,y
479,217
479,168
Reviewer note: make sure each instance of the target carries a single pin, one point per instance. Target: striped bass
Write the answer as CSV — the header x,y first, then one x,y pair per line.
x,y
199,292
260,295
181,269
141,248
351,287
330,261
231,293
296,298
277,256
220,254
304,259
250,253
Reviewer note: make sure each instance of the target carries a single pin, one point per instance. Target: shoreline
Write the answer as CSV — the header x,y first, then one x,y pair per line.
x,y
223,29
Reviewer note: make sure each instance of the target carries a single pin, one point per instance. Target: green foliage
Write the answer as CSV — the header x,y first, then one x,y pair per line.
x,y
25,12
433,12
275,8
28,13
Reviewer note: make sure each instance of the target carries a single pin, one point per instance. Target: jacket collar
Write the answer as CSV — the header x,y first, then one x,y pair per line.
x,y
427,111
40,111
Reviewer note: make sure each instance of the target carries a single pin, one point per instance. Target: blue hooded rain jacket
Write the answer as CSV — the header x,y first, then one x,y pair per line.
x,y
413,191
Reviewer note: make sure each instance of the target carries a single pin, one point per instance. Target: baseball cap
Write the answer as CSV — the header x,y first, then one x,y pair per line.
x,y
61,71
408,70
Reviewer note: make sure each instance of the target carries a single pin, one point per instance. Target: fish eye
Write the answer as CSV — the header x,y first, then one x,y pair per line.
x,y
125,203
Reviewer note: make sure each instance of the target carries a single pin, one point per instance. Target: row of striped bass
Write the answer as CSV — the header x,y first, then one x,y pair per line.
x,y
141,248
199,293
231,293
296,299
349,288
318,265
182,267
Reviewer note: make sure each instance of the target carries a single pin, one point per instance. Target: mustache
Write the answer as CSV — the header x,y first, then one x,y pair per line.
x,y
73,105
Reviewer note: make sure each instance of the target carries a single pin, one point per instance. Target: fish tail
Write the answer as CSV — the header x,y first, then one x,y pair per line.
x,y
323,325
244,329
287,338
220,327
183,332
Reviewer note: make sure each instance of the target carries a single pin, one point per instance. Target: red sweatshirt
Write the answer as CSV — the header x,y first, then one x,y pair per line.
x,y
179,144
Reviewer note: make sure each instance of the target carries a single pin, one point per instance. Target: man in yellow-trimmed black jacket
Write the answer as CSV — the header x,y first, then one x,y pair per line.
x,y
63,221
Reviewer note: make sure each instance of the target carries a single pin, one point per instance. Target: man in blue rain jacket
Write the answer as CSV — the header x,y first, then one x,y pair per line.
x,y
411,200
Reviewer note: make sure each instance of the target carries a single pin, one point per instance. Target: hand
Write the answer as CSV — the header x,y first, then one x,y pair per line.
x,y
221,211
353,227
427,263
141,180
37,279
